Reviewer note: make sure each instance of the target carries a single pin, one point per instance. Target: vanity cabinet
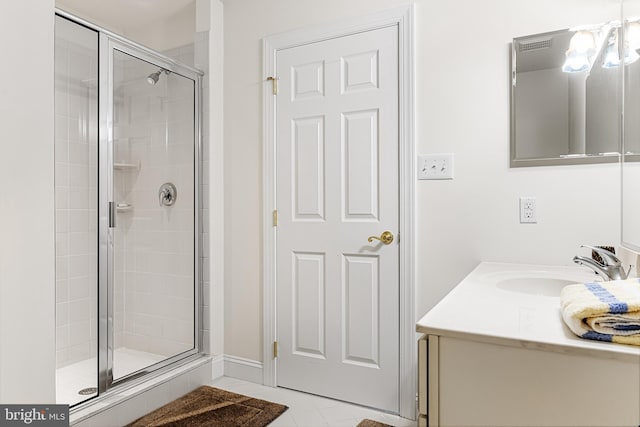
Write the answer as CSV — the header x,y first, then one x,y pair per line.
x,y
495,352
470,383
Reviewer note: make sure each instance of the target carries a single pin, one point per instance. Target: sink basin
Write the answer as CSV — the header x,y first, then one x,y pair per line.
x,y
544,283
545,286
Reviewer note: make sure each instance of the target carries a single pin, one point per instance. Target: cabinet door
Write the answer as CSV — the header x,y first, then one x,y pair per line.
x,y
428,366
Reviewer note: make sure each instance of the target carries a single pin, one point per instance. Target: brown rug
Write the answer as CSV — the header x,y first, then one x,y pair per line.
x,y
209,406
371,423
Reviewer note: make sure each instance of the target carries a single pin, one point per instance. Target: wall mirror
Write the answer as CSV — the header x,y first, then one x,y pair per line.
x,y
565,96
631,130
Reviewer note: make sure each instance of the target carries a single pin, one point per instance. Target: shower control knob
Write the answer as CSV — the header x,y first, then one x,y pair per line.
x,y
167,194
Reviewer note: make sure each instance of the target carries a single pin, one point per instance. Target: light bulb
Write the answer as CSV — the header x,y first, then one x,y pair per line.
x,y
576,62
611,59
630,56
633,35
583,42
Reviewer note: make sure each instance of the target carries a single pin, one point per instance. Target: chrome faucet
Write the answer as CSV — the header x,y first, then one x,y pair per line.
x,y
610,268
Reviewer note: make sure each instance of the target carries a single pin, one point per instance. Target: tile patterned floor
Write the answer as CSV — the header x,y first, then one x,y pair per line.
x,y
306,410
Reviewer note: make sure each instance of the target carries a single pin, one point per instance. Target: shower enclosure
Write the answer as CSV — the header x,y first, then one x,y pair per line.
x,y
127,210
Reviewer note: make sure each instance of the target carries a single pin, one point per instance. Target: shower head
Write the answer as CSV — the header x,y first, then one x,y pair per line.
x,y
153,78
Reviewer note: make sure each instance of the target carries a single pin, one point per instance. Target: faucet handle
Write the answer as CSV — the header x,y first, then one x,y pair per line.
x,y
608,257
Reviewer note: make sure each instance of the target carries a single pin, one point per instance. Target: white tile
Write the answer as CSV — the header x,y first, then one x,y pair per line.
x,y
62,337
80,351
62,267
62,244
79,311
284,420
62,290
79,199
307,410
78,265
79,288
78,220
61,358
77,107
75,129
78,242
79,333
79,175
61,97
62,204
62,314
61,170
61,128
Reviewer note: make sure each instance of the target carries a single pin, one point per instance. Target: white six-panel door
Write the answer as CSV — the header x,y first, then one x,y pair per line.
x,y
337,294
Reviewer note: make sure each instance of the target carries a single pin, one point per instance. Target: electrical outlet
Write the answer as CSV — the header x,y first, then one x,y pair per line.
x,y
435,166
528,210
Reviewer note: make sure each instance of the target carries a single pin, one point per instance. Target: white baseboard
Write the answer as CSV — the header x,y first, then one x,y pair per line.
x,y
217,366
243,369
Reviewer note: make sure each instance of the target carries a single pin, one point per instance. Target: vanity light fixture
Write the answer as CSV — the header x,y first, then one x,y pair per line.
x,y
576,62
583,42
611,55
582,47
632,38
632,34
631,42
588,42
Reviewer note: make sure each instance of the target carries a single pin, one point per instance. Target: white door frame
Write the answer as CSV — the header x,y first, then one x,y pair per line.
x,y
401,17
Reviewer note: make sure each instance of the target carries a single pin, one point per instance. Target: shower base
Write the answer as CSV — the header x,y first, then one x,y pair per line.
x,y
71,379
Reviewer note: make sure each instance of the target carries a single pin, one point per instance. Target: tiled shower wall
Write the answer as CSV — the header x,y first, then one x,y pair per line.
x,y
76,196
197,55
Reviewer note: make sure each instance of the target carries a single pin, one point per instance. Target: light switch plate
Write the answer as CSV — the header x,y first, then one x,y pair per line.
x,y
435,166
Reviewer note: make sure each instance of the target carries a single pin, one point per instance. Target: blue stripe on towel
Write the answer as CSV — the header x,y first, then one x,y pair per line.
x,y
592,335
615,305
626,327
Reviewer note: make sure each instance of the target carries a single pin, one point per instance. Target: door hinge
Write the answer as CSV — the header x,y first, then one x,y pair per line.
x,y
274,84
275,349
275,218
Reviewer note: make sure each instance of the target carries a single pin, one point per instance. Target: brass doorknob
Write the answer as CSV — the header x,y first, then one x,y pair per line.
x,y
386,238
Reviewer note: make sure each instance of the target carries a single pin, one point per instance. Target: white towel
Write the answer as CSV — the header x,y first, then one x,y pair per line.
x,y
605,311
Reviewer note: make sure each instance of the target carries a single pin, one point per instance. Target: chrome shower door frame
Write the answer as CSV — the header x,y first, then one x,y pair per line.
x,y
110,43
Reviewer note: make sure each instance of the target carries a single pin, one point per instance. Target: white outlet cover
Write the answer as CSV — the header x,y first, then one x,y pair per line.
x,y
528,214
435,166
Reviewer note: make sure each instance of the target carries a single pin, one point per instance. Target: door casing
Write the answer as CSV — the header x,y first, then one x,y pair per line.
x,y
401,17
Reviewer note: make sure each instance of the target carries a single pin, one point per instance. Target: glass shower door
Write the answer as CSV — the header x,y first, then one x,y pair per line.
x,y
76,172
127,180
152,212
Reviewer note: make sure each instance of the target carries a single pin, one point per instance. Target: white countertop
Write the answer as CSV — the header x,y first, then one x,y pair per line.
x,y
500,303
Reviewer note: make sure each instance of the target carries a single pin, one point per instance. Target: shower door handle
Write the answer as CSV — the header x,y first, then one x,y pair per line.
x,y
112,214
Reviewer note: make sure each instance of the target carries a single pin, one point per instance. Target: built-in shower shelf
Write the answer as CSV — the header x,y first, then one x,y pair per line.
x,y
124,208
125,166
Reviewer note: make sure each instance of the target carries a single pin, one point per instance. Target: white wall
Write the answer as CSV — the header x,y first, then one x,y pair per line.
x,y
168,33
210,27
27,276
462,106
